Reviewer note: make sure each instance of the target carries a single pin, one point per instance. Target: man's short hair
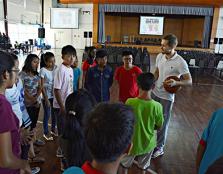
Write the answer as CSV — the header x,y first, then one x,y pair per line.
x,y
127,53
172,40
101,53
69,50
145,81
109,130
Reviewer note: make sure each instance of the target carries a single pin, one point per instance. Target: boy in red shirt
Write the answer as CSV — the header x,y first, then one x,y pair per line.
x,y
126,77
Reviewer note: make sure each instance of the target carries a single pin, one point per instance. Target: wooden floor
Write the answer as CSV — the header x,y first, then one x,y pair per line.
x,y
192,109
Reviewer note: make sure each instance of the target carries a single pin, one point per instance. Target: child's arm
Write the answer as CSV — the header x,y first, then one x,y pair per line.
x,y
44,92
80,85
59,100
39,90
83,78
200,152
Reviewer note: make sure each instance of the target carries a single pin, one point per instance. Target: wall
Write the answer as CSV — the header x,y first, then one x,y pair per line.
x,y
186,29
57,38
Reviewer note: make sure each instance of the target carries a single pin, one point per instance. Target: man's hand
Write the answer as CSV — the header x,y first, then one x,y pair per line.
x,y
171,82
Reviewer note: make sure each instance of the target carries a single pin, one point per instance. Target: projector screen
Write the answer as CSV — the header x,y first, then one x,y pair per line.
x,y
64,17
151,25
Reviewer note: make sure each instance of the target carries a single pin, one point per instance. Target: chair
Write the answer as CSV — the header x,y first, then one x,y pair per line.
x,y
219,69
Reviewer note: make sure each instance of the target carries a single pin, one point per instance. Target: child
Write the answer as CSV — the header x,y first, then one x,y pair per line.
x,y
63,86
126,77
47,79
78,105
9,129
15,96
108,134
100,78
149,116
211,145
90,62
32,86
77,82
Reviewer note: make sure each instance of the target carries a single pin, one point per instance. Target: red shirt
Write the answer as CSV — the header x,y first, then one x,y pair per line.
x,y
127,80
86,65
88,169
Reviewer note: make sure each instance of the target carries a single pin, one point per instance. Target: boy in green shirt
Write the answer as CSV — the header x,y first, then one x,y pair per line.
x,y
149,116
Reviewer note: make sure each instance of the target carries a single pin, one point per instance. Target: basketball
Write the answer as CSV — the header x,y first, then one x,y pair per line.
x,y
172,89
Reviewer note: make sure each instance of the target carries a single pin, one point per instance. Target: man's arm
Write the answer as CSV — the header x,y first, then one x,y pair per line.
x,y
186,81
156,73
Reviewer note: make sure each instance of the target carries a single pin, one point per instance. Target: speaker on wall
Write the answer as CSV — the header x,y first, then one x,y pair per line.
x,y
41,32
215,40
90,34
220,41
85,34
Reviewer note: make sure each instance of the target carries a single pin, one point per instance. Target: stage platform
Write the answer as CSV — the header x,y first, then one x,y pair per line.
x,y
154,49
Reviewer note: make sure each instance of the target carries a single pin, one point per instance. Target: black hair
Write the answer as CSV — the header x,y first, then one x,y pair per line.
x,y
69,49
44,58
28,64
77,105
172,40
109,130
90,58
101,53
6,64
14,57
127,53
145,81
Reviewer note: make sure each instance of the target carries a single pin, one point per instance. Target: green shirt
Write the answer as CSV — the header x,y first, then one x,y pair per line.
x,y
149,114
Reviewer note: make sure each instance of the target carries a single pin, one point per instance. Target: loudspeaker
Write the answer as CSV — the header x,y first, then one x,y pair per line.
x,y
41,32
215,40
85,34
90,34
220,41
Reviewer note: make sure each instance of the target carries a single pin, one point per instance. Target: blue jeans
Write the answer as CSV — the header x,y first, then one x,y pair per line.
x,y
47,113
167,108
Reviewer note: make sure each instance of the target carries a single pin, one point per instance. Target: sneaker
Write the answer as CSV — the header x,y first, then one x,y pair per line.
x,y
157,152
35,170
39,142
48,137
59,153
54,133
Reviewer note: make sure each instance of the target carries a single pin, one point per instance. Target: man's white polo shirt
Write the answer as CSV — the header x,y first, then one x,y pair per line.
x,y
175,66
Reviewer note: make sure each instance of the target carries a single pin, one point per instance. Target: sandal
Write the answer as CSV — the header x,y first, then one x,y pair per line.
x,y
36,160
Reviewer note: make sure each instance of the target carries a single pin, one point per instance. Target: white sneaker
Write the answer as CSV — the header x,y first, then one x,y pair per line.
x,y
157,152
48,137
35,170
59,153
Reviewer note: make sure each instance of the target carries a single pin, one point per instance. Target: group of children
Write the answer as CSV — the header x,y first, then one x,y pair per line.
x,y
94,137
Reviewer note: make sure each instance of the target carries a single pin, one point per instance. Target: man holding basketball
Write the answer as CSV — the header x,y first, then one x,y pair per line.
x,y
168,63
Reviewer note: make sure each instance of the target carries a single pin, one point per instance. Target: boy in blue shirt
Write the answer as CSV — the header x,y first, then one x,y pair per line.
x,y
100,78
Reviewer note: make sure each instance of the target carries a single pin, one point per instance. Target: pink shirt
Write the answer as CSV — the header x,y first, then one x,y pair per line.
x,y
63,81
